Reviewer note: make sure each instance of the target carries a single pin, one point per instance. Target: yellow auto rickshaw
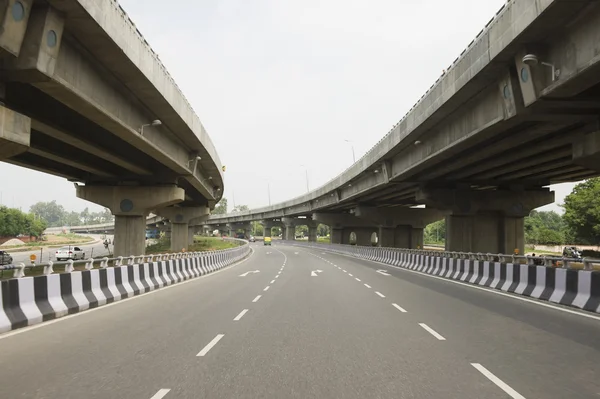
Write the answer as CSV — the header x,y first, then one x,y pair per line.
x,y
267,240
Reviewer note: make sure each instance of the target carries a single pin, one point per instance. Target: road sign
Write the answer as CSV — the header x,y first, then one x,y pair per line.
x,y
32,258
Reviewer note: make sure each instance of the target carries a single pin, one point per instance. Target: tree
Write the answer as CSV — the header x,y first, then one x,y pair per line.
x,y
51,212
435,232
258,228
322,230
582,212
302,230
14,222
240,208
221,207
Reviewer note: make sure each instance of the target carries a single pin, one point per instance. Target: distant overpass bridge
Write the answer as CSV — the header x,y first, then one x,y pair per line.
x,y
515,112
83,96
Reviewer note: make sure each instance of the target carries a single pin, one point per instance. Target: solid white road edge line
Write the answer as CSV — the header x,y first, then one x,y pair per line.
x,y
432,331
399,308
257,298
501,384
380,294
242,313
161,394
490,290
88,311
210,345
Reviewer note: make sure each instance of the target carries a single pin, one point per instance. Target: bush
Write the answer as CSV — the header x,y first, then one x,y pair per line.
x,y
588,253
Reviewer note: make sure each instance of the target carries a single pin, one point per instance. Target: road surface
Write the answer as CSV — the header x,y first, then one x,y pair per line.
x,y
290,322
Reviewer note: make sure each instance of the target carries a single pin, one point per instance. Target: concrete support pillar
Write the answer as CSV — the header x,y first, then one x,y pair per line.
x,y
336,235
130,235
364,236
408,237
180,219
493,233
312,234
386,237
131,205
290,233
486,221
267,229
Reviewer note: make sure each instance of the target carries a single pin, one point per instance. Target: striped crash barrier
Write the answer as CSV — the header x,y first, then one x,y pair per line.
x,y
520,275
25,301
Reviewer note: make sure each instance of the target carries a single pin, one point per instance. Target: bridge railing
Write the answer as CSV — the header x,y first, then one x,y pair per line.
x,y
383,253
208,259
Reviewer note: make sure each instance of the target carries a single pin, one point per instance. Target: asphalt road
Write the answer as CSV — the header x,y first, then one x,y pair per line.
x,y
347,332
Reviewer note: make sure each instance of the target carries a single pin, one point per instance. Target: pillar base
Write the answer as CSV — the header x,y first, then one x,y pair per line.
x,y
486,233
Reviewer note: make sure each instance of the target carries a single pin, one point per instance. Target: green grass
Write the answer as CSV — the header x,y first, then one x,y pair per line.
x,y
201,244
324,239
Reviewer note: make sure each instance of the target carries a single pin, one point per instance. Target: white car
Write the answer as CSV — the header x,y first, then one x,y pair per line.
x,y
66,253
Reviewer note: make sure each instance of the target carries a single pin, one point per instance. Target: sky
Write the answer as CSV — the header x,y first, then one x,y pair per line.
x,y
288,89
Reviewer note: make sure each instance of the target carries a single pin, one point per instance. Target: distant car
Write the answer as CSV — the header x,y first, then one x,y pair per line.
x,y
252,239
267,240
5,258
66,253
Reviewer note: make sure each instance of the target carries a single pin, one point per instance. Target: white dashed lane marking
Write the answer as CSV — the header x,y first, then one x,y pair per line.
x,y
257,298
161,394
501,384
242,313
210,345
357,279
266,288
399,308
380,294
272,281
367,285
432,331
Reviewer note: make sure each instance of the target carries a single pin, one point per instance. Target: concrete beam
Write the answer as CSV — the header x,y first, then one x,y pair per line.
x,y
467,202
103,153
15,133
40,49
392,217
340,220
586,151
14,16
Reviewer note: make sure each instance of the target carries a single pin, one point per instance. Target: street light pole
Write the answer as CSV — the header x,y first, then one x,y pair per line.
x,y
306,175
351,146
269,192
155,122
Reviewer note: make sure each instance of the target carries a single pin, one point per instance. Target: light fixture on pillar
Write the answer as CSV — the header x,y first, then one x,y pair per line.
x,y
533,60
376,171
196,160
417,142
155,122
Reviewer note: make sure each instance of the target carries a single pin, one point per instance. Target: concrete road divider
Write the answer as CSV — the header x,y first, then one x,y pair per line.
x,y
520,275
25,301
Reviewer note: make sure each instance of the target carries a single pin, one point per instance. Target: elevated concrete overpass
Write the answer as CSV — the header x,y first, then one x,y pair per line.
x,y
83,96
515,112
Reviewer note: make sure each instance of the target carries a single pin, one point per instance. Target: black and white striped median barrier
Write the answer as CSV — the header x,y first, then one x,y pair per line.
x,y
26,301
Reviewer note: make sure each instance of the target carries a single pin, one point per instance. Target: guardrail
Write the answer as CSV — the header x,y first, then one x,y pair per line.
x,y
225,256
553,279
550,261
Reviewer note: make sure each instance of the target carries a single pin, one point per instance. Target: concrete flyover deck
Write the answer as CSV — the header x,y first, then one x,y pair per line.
x,y
516,111
83,96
